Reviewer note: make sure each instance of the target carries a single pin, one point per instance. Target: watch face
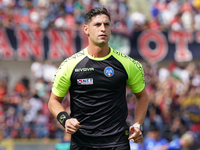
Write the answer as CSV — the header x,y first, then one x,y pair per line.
x,y
141,129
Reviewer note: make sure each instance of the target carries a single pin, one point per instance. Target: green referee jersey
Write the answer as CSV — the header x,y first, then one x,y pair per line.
x,y
97,89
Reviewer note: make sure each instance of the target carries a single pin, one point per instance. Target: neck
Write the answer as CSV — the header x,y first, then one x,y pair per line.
x,y
97,51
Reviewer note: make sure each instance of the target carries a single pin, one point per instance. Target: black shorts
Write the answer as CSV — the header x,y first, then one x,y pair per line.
x,y
77,147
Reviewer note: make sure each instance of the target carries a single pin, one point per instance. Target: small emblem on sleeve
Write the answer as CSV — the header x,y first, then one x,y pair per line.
x,y
87,81
109,71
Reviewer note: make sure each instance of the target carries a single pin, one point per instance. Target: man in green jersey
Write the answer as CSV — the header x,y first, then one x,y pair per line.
x,y
96,78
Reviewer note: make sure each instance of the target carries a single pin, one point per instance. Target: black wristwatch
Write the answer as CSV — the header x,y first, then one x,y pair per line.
x,y
138,126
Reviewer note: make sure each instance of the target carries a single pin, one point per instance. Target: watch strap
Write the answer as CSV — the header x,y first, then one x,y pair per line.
x,y
138,126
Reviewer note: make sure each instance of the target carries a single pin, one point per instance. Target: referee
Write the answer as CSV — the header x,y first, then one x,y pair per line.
x,y
96,78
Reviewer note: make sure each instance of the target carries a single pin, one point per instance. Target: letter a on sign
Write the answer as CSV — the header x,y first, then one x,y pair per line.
x,y
6,51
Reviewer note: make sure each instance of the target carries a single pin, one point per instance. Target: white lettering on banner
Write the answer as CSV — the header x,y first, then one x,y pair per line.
x,y
184,46
61,44
6,51
159,39
30,44
181,39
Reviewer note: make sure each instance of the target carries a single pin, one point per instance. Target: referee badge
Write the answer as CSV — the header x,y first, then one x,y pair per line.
x,y
109,71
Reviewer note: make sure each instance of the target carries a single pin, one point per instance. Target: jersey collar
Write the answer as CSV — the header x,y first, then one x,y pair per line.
x,y
99,58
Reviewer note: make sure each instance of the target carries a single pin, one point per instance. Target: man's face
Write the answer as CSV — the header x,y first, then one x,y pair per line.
x,y
98,30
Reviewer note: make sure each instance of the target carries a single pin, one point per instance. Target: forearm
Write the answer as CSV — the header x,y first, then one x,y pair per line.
x,y
140,111
54,105
55,108
71,125
141,108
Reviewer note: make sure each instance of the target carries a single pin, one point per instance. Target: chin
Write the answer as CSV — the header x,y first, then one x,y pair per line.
x,y
102,44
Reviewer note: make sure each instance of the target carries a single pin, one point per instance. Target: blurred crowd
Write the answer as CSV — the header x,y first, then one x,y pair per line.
x,y
167,120
162,15
24,112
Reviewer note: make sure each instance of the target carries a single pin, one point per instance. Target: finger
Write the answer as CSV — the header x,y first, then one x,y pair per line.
x,y
130,138
133,136
76,123
72,123
70,126
70,130
137,140
132,129
136,136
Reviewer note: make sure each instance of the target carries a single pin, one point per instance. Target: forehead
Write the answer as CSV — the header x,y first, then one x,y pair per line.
x,y
100,18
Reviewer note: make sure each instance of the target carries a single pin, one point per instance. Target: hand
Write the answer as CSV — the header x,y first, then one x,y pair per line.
x,y
136,135
72,125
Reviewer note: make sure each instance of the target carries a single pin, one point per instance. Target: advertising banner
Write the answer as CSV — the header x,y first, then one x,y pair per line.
x,y
57,45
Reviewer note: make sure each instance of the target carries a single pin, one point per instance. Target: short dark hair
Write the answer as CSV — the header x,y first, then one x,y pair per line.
x,y
94,12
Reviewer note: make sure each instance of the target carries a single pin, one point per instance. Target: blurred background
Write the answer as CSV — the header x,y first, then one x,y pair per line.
x,y
37,35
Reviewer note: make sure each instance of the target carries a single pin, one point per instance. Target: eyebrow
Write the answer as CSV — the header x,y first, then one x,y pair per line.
x,y
101,22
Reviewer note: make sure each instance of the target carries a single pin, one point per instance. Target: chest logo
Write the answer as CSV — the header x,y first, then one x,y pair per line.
x,y
109,71
84,69
87,81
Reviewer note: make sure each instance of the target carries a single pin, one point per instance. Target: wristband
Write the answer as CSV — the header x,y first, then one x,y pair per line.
x,y
62,117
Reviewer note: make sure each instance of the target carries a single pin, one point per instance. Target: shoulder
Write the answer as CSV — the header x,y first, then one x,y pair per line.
x,y
127,61
73,60
121,56
69,63
76,57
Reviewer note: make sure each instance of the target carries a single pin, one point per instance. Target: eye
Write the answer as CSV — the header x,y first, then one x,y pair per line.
x,y
107,24
97,24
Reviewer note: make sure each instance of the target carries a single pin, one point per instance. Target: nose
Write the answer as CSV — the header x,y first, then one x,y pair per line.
x,y
103,27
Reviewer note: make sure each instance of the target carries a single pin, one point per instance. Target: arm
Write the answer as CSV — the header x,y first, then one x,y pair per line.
x,y
55,107
141,106
140,113
54,104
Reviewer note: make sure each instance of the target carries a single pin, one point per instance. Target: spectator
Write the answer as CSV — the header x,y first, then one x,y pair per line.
x,y
153,140
197,19
137,19
40,123
163,73
48,71
136,146
187,17
37,70
35,105
186,142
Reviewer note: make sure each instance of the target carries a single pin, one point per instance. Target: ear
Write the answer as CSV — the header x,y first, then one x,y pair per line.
x,y
85,29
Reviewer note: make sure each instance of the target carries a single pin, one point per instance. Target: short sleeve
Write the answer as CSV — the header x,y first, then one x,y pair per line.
x,y
136,77
61,82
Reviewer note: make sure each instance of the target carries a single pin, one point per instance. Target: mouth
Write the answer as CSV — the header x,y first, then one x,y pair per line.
x,y
103,35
